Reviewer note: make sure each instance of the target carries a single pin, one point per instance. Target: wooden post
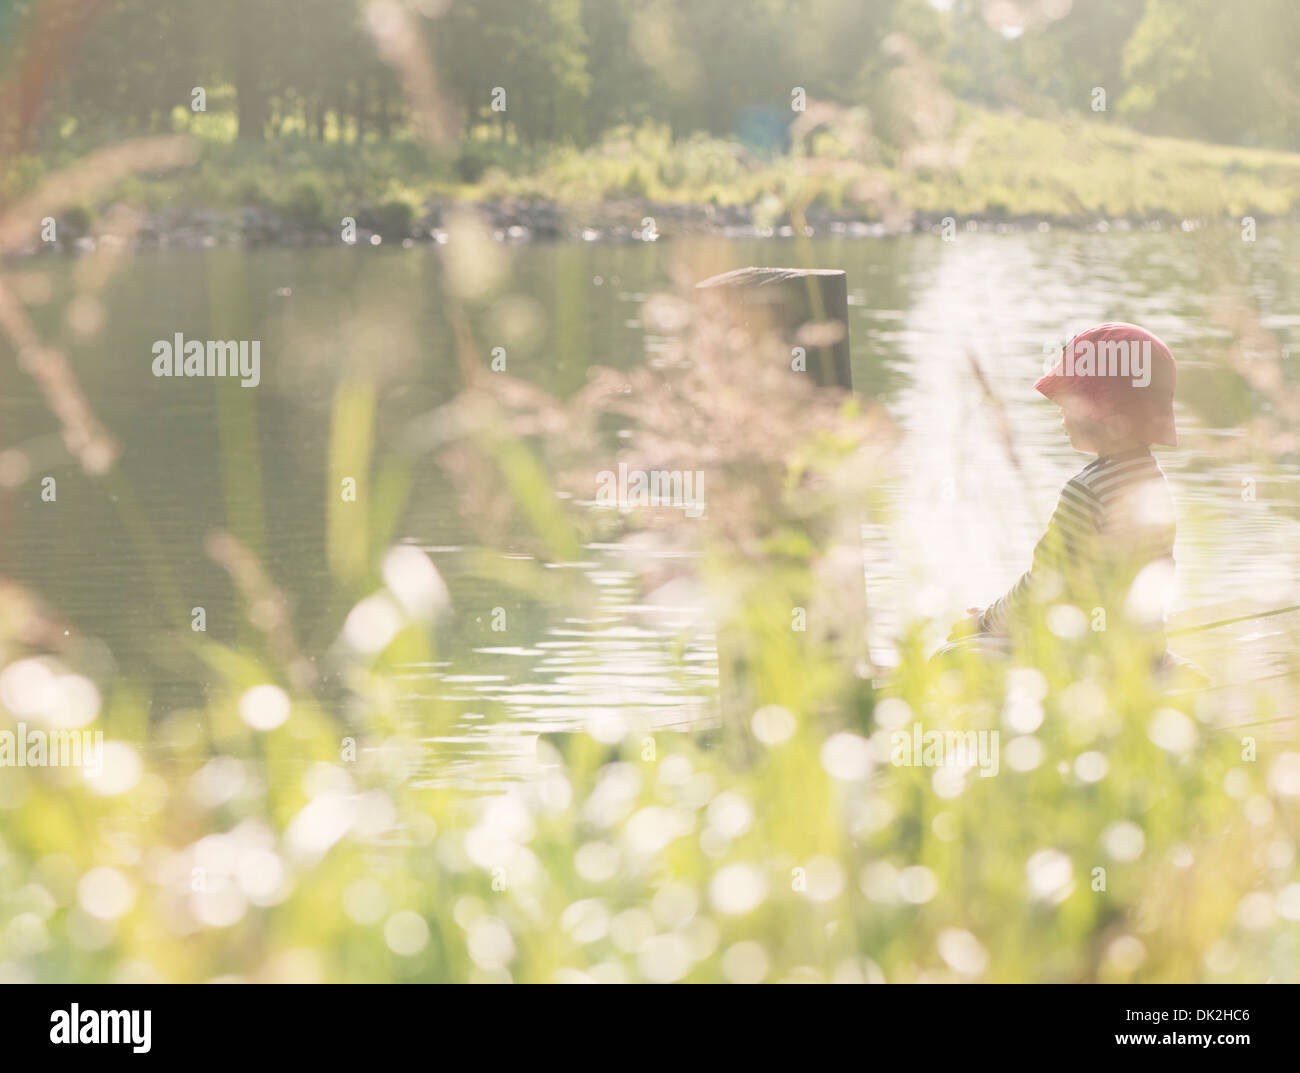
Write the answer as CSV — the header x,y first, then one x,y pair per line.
x,y
806,307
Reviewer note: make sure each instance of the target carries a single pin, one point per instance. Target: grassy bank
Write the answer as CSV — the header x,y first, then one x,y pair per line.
x,y
990,164
984,164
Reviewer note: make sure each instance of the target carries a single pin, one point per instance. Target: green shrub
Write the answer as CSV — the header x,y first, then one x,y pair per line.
x,y
635,185
393,219
305,203
474,159
76,220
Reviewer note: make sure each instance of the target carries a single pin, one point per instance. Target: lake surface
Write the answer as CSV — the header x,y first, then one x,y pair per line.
x,y
962,520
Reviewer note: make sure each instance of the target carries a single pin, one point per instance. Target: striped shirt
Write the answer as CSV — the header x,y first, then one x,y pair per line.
x,y
1113,519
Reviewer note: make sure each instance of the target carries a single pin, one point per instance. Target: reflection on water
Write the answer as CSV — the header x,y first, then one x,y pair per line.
x,y
963,516
637,663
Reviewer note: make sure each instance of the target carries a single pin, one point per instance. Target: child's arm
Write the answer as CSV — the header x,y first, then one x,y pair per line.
x,y
1069,545
969,626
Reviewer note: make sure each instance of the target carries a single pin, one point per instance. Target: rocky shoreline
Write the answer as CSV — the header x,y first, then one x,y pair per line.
x,y
517,221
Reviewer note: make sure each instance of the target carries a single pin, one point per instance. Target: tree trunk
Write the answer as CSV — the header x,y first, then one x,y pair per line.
x,y
251,105
250,99
385,111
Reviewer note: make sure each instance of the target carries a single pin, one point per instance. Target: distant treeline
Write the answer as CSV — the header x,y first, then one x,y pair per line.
x,y
97,70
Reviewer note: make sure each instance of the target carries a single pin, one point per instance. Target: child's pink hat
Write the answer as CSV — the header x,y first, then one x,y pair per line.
x,y
1135,380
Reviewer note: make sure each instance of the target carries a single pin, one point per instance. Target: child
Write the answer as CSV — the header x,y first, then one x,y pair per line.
x,y
1108,549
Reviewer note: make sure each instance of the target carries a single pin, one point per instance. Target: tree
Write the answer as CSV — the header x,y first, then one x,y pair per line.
x,y
1203,69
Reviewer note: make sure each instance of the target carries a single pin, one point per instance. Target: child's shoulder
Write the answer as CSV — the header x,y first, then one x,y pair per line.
x,y
1110,475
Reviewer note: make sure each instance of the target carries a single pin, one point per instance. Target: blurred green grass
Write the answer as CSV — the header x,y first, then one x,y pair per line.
x,y
222,843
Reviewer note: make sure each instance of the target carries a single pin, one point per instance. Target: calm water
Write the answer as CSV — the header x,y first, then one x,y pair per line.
x,y
962,522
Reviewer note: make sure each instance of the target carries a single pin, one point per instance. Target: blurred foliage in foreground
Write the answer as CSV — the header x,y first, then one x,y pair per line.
x,y
283,832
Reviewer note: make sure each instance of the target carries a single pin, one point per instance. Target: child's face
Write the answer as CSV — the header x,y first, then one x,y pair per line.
x,y
1085,434
1091,436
